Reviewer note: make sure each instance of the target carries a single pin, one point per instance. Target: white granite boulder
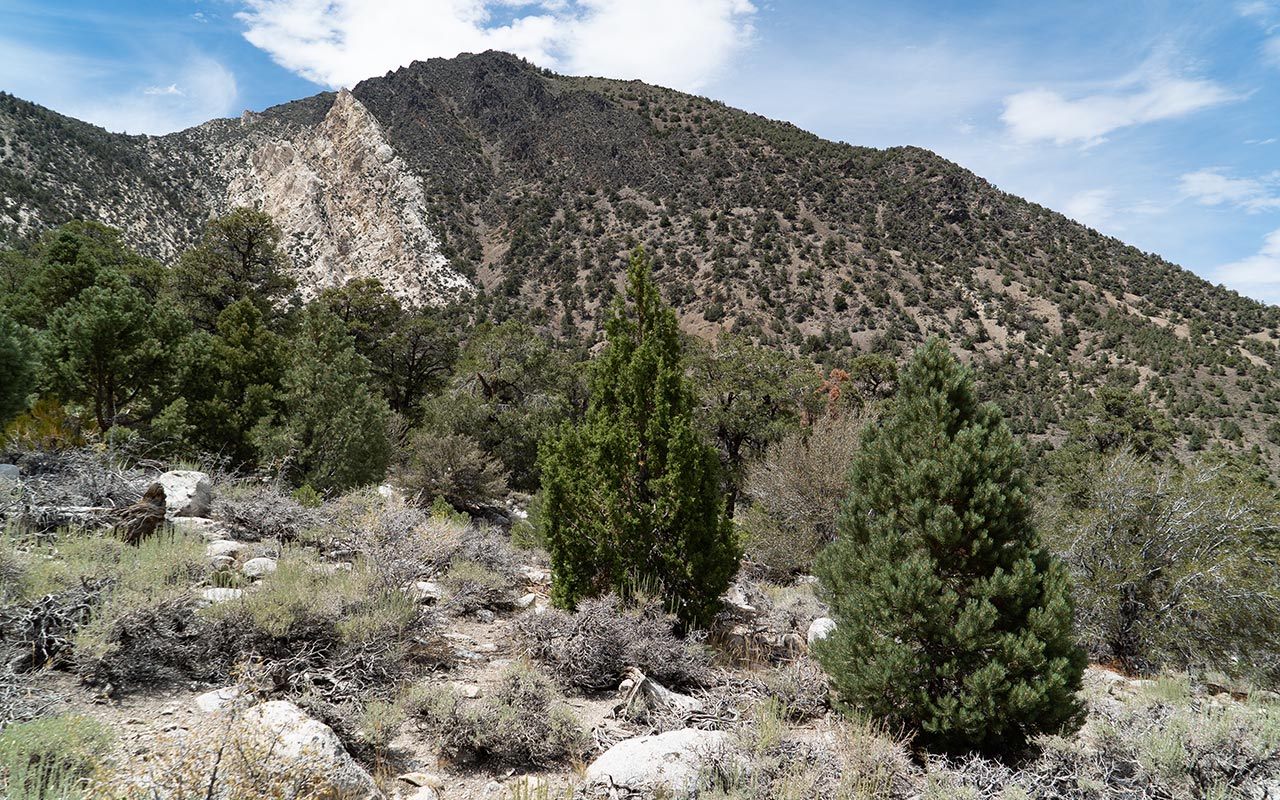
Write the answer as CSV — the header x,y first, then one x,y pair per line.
x,y
671,764
187,493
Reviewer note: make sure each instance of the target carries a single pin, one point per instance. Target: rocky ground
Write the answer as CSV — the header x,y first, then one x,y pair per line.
x,y
369,649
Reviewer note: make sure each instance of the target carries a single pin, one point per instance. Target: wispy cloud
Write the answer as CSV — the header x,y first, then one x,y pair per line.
x,y
171,90
1047,115
173,97
1091,207
1257,275
1209,187
678,43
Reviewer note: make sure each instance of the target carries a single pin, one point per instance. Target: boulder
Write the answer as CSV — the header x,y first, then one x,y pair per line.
x,y
222,547
257,567
217,699
527,600
821,628
187,493
671,764
9,473
302,744
219,594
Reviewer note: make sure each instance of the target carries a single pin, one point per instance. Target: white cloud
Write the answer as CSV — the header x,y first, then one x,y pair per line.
x,y
1046,115
679,43
1254,8
675,43
1209,187
171,90
1257,275
1271,51
168,98
204,89
1091,207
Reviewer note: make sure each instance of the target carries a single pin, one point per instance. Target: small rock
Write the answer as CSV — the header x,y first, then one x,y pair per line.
x,y
187,493
424,793
821,628
210,529
626,686
527,600
536,575
9,473
257,567
492,791
426,591
422,779
219,594
217,699
470,691
222,547
484,616
735,601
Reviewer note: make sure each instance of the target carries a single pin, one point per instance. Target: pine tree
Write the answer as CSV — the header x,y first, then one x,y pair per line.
x,y
632,495
952,621
333,430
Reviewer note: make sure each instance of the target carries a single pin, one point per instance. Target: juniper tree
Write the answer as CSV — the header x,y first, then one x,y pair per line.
x,y
332,432
953,622
633,494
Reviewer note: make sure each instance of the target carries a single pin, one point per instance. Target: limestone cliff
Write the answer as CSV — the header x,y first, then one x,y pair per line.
x,y
347,204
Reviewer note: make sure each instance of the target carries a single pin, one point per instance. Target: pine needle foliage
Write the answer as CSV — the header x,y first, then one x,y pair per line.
x,y
633,496
953,623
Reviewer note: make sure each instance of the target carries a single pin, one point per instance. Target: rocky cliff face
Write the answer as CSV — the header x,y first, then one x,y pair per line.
x,y
345,200
347,204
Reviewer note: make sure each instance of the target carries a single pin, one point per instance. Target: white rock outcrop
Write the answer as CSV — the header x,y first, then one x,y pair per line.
x,y
187,493
670,764
348,205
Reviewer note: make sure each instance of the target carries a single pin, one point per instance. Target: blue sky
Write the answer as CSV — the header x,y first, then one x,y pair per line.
x,y
1154,121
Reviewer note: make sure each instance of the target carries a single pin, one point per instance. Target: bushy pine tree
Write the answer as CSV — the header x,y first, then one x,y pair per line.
x,y
953,622
633,497
332,433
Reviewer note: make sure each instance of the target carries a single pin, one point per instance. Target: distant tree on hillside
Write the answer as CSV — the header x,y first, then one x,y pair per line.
x,y
239,256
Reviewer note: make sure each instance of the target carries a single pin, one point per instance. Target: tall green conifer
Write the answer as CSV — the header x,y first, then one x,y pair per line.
x,y
952,621
632,495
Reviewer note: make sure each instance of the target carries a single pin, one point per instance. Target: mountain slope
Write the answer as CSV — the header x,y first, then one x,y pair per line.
x,y
485,179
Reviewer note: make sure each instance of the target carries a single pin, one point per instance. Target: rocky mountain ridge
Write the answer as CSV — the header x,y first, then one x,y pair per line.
x,y
486,179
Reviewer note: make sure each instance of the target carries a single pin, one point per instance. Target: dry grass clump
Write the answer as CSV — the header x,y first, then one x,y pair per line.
x,y
801,689
323,628
851,760
402,542
51,758
592,647
254,511
523,721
